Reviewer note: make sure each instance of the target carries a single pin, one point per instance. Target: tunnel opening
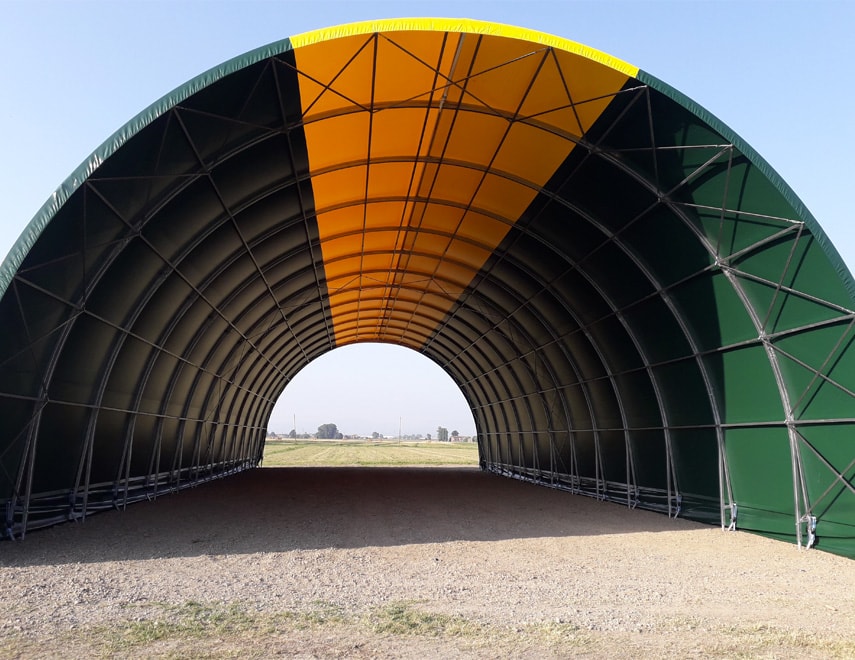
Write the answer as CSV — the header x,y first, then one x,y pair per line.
x,y
372,388
371,405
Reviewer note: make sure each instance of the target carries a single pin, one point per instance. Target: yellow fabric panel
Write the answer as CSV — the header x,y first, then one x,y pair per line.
x,y
461,25
425,147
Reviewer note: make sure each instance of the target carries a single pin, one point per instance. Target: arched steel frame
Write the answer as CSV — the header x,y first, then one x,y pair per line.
x,y
552,335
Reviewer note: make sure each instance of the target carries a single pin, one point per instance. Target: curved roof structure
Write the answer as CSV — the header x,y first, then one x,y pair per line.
x,y
633,303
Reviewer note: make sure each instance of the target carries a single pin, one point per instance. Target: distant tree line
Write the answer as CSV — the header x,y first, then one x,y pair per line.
x,y
331,432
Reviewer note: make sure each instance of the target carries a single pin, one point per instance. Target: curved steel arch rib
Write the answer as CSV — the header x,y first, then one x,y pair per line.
x,y
633,303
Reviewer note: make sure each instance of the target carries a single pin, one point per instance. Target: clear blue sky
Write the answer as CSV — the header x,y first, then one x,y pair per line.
x,y
778,73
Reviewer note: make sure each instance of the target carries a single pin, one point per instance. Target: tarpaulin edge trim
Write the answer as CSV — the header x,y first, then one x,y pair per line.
x,y
462,25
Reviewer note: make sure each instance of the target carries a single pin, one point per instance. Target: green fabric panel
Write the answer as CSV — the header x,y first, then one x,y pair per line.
x,y
77,370
832,498
27,337
543,451
704,170
826,457
751,191
686,399
789,311
108,446
669,260
696,461
812,395
639,399
613,452
648,454
837,538
695,454
611,268
684,142
731,323
586,453
814,275
731,232
111,145
580,417
751,392
56,457
840,269
16,418
761,476
804,268
620,353
657,331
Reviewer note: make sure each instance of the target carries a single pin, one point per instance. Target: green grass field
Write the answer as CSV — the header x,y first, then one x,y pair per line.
x,y
325,453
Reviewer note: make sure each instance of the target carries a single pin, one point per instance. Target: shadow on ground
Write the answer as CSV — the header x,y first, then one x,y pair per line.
x,y
281,509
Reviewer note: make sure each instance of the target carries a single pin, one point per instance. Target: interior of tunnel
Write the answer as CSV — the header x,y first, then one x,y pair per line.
x,y
633,304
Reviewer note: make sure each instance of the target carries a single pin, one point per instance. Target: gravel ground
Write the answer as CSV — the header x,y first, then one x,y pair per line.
x,y
412,562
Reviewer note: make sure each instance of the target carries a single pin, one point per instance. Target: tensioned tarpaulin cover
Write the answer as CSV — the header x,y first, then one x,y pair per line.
x,y
634,304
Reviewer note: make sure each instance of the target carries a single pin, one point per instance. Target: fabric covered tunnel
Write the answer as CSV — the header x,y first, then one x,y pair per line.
x,y
633,303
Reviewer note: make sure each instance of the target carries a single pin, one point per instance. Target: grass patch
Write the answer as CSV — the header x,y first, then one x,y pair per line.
x,y
323,613
761,640
327,629
558,635
404,619
190,620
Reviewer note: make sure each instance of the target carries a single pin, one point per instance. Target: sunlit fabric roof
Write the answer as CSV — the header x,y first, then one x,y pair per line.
x,y
633,303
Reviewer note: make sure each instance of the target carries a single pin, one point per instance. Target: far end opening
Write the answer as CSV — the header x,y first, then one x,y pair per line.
x,y
371,404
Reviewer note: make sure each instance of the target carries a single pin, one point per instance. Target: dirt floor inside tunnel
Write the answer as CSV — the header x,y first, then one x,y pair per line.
x,y
408,562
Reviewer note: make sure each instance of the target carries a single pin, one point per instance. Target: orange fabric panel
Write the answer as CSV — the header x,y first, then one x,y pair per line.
x,y
424,149
344,186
